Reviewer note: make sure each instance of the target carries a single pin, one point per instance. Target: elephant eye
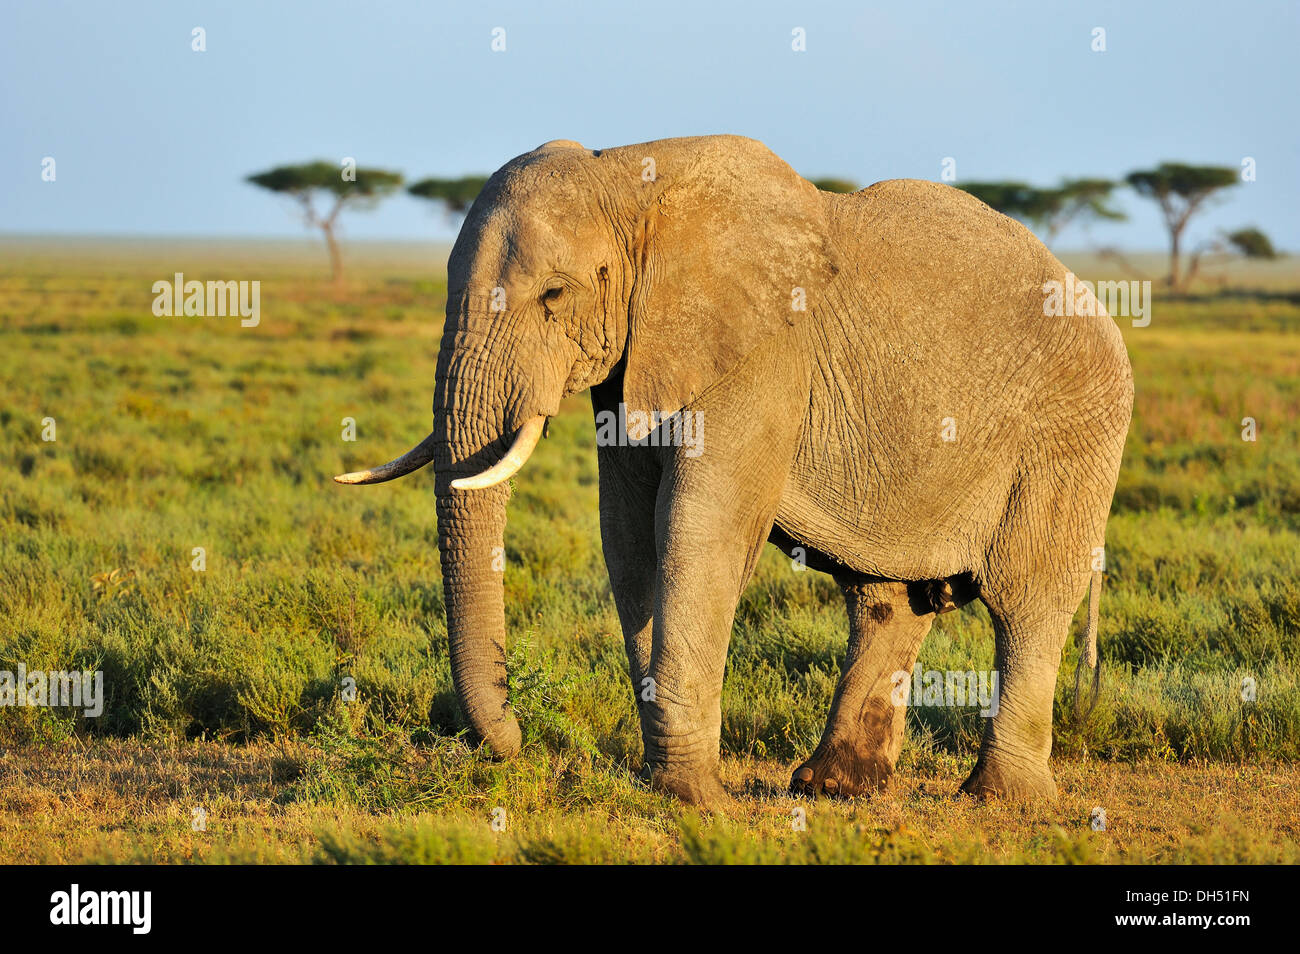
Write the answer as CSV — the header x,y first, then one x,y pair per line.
x,y
553,294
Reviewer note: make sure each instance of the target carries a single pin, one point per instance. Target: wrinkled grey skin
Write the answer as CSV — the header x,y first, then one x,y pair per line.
x,y
822,430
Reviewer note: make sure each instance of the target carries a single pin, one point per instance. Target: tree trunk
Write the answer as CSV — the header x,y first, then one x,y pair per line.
x,y
1175,242
336,260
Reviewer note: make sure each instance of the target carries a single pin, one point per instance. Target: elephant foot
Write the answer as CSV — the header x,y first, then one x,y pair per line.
x,y
1017,782
841,771
701,788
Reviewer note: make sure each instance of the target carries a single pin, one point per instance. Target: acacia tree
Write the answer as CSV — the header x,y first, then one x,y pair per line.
x,y
455,195
1251,242
1051,210
1078,200
1248,242
1180,190
1016,199
347,186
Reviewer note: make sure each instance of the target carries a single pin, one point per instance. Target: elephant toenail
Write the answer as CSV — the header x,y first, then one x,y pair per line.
x,y
804,774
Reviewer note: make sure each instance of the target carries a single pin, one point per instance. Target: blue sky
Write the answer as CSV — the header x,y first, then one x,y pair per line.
x,y
151,138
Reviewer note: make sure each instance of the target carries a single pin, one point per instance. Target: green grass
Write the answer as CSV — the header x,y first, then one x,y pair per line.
x,y
175,433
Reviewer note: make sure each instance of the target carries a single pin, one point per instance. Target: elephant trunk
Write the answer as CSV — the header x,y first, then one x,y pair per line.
x,y
473,422
471,528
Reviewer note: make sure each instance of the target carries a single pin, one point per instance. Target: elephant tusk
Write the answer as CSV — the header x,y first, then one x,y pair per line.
x,y
414,459
508,465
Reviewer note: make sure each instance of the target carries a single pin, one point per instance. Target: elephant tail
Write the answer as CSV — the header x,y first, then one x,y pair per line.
x,y
1088,657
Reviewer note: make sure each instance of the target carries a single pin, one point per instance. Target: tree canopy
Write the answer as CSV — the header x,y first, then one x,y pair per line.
x,y
456,195
1252,243
1016,199
1081,200
1177,184
1049,209
831,184
305,178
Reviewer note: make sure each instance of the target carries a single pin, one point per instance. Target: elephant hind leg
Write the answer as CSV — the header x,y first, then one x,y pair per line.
x,y
1017,743
1013,758
864,733
1035,577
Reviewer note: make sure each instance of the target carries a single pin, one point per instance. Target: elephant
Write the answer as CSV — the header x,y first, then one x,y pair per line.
x,y
885,397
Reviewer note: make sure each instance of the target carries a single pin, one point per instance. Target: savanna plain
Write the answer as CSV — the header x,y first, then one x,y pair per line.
x,y
226,735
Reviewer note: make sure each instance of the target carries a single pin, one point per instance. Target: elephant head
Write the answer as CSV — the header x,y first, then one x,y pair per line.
x,y
667,262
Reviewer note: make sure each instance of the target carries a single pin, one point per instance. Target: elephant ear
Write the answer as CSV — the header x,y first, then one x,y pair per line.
x,y
732,248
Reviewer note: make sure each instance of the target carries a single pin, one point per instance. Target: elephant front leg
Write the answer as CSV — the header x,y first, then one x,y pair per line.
x,y
716,503
707,556
681,704
864,733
